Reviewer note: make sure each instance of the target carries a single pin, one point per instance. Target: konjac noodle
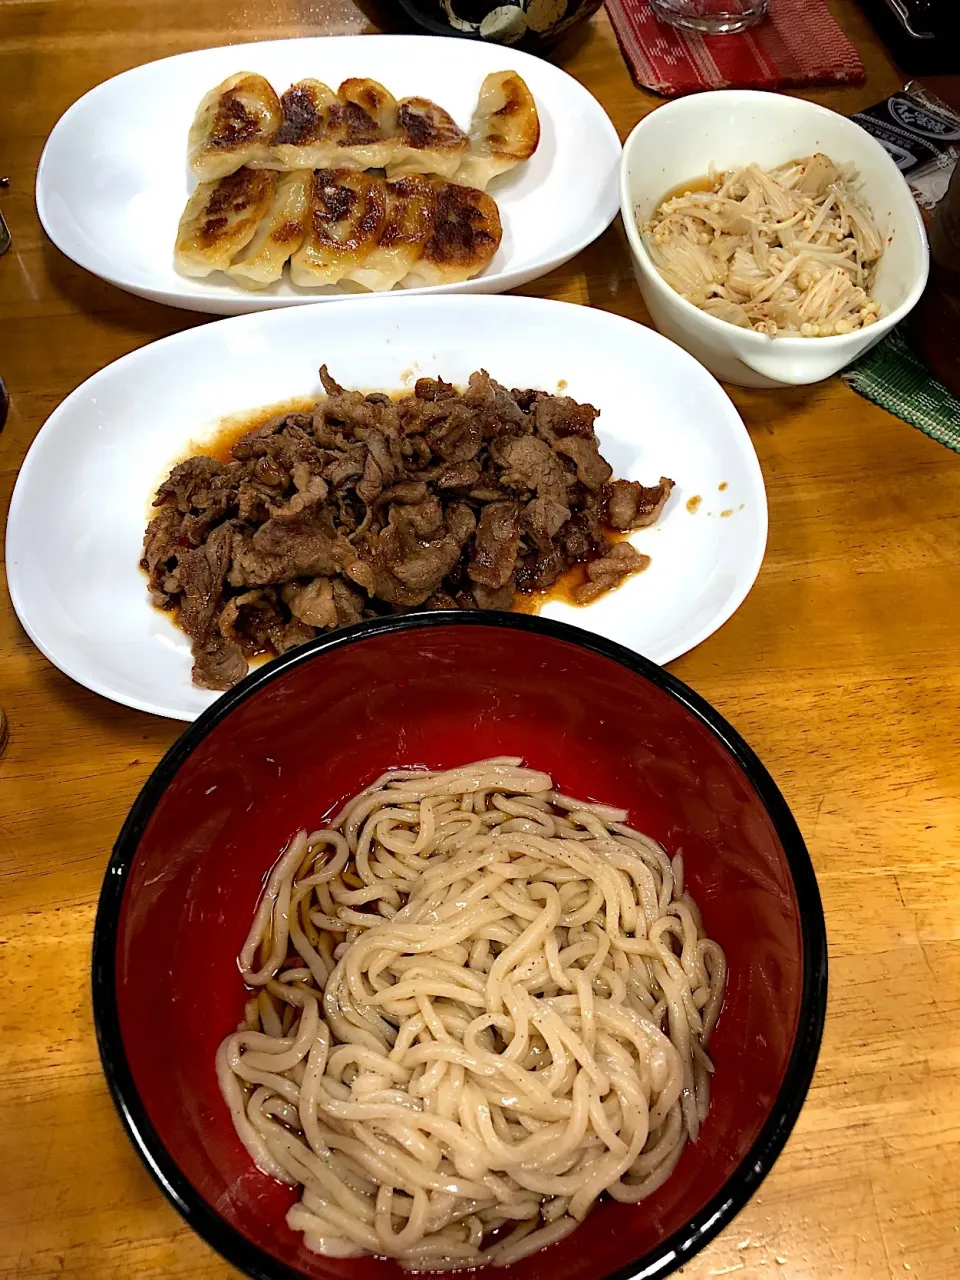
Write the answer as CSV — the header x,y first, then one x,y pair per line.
x,y
792,250
478,1005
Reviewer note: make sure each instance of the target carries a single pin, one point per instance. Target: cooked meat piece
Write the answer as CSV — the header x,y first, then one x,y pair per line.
x,y
346,466
497,407
312,603
248,446
630,505
290,634
253,505
194,484
440,600
527,462
161,542
200,576
311,491
368,506
461,523
561,416
425,517
496,544
282,550
458,475
407,493
216,664
434,389
349,603
543,518
603,575
540,570
249,628
592,470
458,438
582,537
495,597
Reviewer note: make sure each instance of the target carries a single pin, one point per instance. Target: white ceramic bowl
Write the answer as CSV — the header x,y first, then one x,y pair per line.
x,y
730,128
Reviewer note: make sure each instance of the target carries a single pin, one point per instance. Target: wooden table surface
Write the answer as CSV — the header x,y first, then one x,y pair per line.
x,y
842,669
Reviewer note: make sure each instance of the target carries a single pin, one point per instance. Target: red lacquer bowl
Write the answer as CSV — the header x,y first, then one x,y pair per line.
x,y
318,724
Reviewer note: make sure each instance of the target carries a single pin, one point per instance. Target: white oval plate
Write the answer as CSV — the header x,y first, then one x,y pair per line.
x,y
82,498
113,176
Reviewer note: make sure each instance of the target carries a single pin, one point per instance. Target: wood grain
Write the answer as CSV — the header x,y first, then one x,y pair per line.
x,y
842,669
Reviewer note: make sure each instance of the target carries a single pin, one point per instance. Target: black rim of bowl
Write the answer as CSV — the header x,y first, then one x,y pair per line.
x,y
674,1250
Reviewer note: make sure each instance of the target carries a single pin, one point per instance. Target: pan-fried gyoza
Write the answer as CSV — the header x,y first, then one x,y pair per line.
x,y
361,126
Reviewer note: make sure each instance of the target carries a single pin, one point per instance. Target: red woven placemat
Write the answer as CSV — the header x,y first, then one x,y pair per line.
x,y
799,43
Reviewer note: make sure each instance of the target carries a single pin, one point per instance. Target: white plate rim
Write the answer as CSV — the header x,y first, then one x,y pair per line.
x,y
247,301
128,362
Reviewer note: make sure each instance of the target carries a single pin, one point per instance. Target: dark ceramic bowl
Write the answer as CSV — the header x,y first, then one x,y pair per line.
x,y
317,725
528,23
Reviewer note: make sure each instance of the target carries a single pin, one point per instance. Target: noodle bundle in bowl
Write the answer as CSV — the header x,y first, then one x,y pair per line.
x,y
478,1005
472,1014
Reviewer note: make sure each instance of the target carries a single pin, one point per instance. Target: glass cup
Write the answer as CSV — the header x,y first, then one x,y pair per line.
x,y
713,17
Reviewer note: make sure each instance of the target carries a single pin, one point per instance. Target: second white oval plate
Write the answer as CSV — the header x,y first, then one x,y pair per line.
x,y
113,176
82,499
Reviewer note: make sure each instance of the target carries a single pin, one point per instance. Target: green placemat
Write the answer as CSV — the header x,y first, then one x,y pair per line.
x,y
893,377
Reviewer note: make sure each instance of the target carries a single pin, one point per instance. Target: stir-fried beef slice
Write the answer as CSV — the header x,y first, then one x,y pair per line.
x,y
198,485
201,572
461,523
425,518
161,543
528,463
458,475
631,505
311,603
407,493
355,410
496,544
418,550
418,416
559,416
407,560
495,597
254,443
282,550
496,409
540,569
582,537
434,389
381,464
218,664
244,619
346,466
311,491
370,506
458,438
440,600
592,470
608,572
543,518
289,447
416,452
253,505
288,635
525,400
348,603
